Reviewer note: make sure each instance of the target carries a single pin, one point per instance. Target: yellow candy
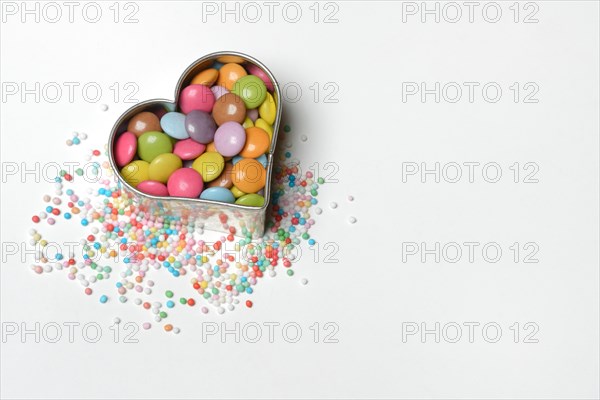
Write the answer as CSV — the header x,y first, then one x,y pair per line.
x,y
207,77
261,123
209,165
248,123
135,172
268,109
163,166
236,192
203,284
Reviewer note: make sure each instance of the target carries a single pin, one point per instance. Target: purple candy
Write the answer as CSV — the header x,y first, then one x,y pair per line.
x,y
218,91
230,139
200,126
252,114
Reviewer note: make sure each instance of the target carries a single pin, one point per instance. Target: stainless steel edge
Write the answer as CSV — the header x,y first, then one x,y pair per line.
x,y
198,203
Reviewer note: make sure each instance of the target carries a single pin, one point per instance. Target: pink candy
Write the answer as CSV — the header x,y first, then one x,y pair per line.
x,y
153,188
125,149
185,182
196,97
188,149
254,70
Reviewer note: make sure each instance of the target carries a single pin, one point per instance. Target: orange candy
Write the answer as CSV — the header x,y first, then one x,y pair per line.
x,y
249,175
230,59
257,143
229,74
207,77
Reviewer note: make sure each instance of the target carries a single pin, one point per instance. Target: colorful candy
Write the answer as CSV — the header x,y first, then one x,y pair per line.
x,y
209,165
249,175
152,144
218,194
143,122
251,89
125,149
257,143
163,166
153,188
136,172
196,97
207,77
229,74
230,138
251,199
229,107
173,124
226,112
188,149
200,126
185,182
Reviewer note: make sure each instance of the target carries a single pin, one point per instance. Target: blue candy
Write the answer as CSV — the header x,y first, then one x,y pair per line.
x,y
173,124
218,194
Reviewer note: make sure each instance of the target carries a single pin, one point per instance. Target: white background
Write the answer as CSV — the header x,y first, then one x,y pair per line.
x,y
369,133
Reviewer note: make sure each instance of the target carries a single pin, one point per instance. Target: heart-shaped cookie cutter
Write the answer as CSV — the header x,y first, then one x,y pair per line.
x,y
206,214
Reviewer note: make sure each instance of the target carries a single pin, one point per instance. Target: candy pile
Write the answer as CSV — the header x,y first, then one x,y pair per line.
x,y
145,246
214,149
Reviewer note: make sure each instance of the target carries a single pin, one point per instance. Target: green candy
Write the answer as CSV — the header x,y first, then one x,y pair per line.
x,y
152,144
251,89
251,199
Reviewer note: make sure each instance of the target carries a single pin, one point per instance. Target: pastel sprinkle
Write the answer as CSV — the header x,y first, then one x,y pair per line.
x,y
145,245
